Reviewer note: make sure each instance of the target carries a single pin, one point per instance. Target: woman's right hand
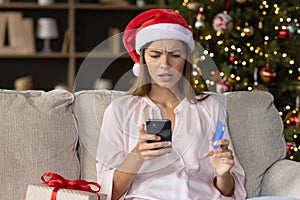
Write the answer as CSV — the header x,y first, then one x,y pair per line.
x,y
148,150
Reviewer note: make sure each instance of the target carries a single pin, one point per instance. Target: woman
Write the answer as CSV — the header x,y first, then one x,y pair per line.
x,y
129,167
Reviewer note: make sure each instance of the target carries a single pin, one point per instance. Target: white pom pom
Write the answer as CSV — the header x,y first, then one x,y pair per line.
x,y
136,69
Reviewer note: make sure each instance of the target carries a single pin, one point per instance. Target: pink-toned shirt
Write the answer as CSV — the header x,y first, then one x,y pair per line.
x,y
182,174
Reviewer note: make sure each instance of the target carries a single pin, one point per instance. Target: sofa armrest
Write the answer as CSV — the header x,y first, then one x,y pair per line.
x,y
282,179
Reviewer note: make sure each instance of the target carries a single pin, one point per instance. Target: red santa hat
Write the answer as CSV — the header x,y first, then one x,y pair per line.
x,y
152,25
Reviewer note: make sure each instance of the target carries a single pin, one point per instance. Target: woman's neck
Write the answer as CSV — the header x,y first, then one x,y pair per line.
x,y
164,96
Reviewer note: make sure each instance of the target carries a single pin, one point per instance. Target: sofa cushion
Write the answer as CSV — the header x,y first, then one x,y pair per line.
x,y
256,128
253,121
38,134
88,109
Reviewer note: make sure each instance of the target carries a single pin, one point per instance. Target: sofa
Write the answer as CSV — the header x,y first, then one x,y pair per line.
x,y
57,131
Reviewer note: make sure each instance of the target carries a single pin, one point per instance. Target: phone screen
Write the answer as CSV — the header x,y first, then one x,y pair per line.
x,y
160,127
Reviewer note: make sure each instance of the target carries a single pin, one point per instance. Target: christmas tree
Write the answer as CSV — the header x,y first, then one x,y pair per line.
x,y
255,45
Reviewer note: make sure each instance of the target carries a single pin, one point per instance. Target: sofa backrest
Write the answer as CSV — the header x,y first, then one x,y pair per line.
x,y
38,134
254,125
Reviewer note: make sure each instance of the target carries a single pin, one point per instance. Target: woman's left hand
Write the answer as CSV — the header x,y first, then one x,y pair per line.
x,y
221,159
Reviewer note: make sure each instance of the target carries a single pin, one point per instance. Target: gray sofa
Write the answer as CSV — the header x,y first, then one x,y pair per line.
x,y
57,131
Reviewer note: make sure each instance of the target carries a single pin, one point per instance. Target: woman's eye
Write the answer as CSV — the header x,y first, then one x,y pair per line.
x,y
155,56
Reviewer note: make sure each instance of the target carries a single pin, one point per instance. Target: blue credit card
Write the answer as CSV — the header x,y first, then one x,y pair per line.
x,y
219,134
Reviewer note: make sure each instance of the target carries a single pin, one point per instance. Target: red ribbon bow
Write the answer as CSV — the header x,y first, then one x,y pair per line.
x,y
57,181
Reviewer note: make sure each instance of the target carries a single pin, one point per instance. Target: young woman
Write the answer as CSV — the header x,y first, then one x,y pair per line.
x,y
129,166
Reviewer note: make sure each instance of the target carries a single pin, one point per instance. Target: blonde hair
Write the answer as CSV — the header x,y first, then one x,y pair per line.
x,y
142,84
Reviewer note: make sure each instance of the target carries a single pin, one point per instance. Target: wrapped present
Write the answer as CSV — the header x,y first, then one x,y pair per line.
x,y
58,188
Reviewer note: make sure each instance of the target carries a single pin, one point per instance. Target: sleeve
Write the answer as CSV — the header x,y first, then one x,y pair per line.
x,y
237,171
110,151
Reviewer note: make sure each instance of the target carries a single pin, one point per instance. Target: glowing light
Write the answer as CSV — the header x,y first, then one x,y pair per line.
x,y
264,12
251,60
280,113
266,55
238,28
267,38
239,50
251,48
233,47
220,42
238,78
208,37
226,49
205,52
288,19
203,58
284,55
275,52
218,33
211,55
290,71
232,75
196,82
292,62
244,63
236,62
281,19
222,74
276,28
287,107
291,157
245,84
250,88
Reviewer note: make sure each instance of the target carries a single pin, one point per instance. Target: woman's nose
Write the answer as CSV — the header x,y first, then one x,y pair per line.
x,y
164,60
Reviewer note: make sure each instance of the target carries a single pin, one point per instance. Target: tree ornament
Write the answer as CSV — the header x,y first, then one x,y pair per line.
x,y
193,5
284,34
224,86
290,145
256,86
267,73
241,1
222,22
248,30
260,26
231,58
200,18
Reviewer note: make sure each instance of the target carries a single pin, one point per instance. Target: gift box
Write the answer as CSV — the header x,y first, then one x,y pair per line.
x,y
44,192
58,188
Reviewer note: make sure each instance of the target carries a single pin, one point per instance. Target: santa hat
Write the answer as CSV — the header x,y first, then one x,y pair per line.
x,y
152,25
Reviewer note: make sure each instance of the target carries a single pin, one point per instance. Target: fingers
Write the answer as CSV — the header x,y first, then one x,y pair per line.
x,y
149,145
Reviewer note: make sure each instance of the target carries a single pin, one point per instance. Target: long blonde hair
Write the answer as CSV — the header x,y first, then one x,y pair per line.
x,y
142,84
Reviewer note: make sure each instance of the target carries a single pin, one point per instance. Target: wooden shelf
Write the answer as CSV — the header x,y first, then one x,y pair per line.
x,y
15,5
93,6
87,23
101,54
52,55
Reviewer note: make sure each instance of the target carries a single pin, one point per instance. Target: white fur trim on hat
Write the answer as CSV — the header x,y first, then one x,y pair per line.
x,y
136,69
163,31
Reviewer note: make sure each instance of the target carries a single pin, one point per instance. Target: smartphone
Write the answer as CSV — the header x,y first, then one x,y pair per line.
x,y
160,127
219,134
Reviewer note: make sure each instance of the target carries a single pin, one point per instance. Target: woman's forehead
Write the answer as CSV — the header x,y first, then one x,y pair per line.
x,y
168,45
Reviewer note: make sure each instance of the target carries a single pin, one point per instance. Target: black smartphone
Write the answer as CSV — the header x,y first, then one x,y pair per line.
x,y
160,127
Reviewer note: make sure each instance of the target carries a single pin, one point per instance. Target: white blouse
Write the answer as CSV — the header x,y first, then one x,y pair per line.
x,y
185,173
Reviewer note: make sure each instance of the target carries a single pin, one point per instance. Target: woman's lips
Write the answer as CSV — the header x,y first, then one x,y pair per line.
x,y
165,77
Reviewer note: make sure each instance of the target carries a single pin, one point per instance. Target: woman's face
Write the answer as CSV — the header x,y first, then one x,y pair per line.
x,y
165,60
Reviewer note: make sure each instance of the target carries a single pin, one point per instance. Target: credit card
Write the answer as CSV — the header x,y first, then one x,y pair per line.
x,y
219,134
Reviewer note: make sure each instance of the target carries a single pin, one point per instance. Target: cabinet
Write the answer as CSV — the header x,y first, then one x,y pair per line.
x,y
88,22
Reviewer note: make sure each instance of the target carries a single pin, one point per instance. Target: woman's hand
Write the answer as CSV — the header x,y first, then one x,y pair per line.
x,y
148,150
221,159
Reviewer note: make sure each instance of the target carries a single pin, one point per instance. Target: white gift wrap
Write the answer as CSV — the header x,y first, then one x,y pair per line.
x,y
43,192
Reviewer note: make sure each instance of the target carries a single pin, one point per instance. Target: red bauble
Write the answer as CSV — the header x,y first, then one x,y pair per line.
x,y
284,34
231,58
267,74
224,86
